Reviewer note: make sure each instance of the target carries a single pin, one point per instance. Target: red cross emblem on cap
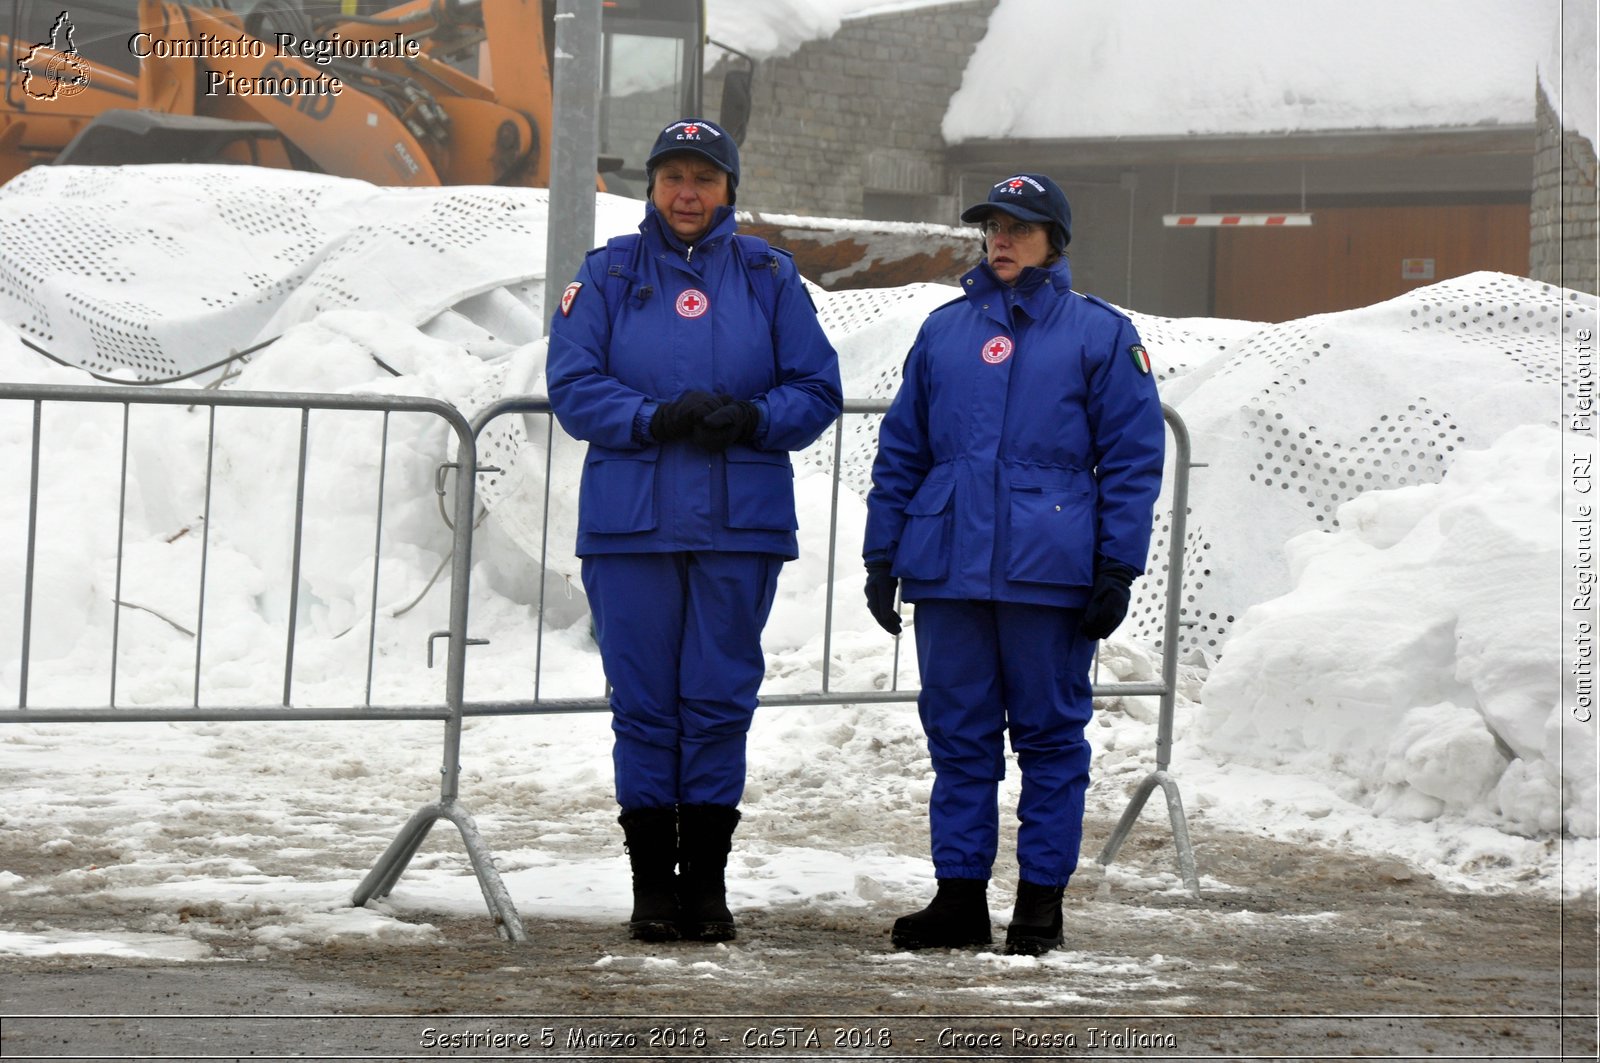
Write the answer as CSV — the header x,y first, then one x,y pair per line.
x,y
1016,183
692,303
997,350
691,130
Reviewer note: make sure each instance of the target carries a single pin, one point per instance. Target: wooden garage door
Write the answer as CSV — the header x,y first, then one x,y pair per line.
x,y
1355,256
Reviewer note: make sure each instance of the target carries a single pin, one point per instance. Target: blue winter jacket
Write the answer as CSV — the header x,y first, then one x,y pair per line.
x,y
690,320
1025,442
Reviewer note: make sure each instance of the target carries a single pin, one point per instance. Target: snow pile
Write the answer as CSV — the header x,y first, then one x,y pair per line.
x,y
1417,654
1169,68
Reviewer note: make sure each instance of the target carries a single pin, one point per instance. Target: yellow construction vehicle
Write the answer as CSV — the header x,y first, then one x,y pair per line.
x,y
427,92
419,93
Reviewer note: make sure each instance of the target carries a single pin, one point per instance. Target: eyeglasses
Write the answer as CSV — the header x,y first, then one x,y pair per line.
x,y
1014,230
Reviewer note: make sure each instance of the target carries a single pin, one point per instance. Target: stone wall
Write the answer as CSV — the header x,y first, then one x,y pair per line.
x,y
849,127
1565,237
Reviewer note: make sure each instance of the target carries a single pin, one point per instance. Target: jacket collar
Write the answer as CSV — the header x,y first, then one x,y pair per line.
x,y
654,225
1036,289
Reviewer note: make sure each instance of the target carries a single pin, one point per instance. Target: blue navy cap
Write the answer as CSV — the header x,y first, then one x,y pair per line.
x,y
697,136
1031,197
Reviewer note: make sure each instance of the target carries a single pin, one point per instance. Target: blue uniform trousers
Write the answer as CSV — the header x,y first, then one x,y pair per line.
x,y
988,667
680,637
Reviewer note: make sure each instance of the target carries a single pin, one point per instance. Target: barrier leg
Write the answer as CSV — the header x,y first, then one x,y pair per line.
x,y
507,923
381,879
1180,827
387,871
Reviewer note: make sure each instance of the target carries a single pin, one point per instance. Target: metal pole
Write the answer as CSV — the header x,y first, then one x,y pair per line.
x,y
574,144
833,550
294,561
377,558
205,551
544,551
122,527
460,579
1173,623
32,553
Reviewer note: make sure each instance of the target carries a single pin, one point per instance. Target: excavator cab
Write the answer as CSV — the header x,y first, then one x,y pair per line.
x,y
651,61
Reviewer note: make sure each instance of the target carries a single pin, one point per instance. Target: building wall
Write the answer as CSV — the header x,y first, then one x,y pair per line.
x,y
1565,238
849,127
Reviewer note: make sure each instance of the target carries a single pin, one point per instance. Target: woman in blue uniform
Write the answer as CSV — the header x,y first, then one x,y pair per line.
x,y
1015,479
691,360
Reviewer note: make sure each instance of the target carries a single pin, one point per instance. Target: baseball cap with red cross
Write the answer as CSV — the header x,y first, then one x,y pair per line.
x,y
1031,197
697,136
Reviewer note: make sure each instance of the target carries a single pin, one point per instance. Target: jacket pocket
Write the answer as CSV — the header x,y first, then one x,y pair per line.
x,y
924,552
1052,531
760,489
618,492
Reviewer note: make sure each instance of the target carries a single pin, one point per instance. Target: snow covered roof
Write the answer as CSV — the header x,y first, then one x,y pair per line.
x,y
1069,68
1065,69
770,29
1567,70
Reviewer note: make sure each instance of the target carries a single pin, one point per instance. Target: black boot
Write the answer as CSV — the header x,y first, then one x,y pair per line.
x,y
705,836
958,916
1036,923
652,843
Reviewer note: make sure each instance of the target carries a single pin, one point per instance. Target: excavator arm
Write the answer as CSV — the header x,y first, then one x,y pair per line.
x,y
365,97
508,41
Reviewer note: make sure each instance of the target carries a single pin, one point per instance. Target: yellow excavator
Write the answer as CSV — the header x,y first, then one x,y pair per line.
x,y
415,94
422,93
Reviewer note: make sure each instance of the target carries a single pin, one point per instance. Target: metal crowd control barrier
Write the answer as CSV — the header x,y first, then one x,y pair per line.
x,y
448,807
1182,462
392,863
1166,689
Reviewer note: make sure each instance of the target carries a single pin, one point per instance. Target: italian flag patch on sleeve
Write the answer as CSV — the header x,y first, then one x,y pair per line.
x,y
1141,358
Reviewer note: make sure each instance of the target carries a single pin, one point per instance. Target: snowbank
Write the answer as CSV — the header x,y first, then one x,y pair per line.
x,y
1418,653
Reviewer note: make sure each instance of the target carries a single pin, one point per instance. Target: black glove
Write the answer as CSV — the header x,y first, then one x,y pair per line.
x,y
1108,601
733,422
678,418
881,588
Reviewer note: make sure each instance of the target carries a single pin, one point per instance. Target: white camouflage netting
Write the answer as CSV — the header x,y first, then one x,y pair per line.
x,y
1280,415
152,272
1283,418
